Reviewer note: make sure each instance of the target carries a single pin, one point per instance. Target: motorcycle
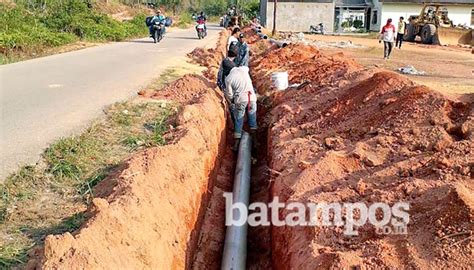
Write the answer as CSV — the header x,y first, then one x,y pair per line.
x,y
318,29
157,31
201,29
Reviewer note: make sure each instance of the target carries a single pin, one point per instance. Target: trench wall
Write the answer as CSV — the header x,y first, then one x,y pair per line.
x,y
151,217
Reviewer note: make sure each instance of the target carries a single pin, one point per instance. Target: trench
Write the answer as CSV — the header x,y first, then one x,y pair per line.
x,y
211,239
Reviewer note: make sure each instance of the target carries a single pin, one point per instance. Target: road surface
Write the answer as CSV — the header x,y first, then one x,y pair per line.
x,y
44,99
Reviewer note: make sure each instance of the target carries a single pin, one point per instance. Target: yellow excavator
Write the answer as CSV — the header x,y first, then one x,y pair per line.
x,y
434,27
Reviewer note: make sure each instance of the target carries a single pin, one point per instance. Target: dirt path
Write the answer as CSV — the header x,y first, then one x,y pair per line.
x,y
449,70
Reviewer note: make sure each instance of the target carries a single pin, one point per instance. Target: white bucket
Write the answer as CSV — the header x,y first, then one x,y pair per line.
x,y
280,80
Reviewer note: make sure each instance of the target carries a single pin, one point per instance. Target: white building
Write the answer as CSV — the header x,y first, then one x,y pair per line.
x,y
298,15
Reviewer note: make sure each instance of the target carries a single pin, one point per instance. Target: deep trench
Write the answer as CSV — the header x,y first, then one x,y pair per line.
x,y
210,243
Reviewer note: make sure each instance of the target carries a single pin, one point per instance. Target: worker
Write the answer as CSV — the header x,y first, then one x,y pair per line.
x,y
400,32
387,36
240,94
226,66
233,39
242,58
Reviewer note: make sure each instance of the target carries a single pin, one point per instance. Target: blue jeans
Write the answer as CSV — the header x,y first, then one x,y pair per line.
x,y
239,110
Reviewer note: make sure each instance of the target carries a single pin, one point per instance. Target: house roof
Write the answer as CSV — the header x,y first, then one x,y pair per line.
x,y
452,2
351,3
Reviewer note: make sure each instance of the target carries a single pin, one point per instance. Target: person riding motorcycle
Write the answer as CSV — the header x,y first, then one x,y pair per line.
x,y
201,19
157,18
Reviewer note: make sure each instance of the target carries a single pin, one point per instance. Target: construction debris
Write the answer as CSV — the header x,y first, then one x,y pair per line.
x,y
411,70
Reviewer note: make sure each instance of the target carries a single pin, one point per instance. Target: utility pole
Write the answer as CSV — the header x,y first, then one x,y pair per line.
x,y
274,17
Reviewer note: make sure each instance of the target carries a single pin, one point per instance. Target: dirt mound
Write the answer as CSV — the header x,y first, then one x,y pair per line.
x,y
355,135
211,58
148,221
303,64
185,90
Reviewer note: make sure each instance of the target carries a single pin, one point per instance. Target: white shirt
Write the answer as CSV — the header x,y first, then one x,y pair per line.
x,y
388,33
239,88
231,40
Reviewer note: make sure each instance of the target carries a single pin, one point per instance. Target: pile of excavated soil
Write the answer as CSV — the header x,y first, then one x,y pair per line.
x,y
185,90
150,217
211,58
303,64
355,135
150,213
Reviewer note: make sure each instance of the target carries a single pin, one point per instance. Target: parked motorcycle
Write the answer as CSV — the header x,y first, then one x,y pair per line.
x,y
318,29
201,29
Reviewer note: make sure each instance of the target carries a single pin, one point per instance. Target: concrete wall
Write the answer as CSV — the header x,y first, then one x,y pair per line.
x,y
459,14
298,16
376,5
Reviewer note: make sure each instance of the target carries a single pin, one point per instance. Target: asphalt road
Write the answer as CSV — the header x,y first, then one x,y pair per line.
x,y
47,98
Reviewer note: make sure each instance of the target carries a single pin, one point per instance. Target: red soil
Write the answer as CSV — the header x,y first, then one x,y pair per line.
x,y
151,212
185,90
355,135
211,58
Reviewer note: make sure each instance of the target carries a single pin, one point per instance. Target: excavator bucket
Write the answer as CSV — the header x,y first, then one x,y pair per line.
x,y
455,36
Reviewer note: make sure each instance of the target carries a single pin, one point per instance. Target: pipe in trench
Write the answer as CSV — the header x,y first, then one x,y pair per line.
x,y
235,246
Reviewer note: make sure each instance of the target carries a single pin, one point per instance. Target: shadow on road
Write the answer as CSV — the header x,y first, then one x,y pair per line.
x,y
190,38
140,41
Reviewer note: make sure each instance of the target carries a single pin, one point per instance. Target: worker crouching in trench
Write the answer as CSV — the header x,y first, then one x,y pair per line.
x,y
240,95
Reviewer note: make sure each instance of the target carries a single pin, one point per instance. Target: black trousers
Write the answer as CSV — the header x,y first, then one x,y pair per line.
x,y
387,48
399,40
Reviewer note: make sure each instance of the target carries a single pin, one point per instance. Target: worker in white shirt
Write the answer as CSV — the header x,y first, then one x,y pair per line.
x,y
240,94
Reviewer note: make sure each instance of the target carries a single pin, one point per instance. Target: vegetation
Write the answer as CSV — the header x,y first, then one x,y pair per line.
x,y
30,29
50,197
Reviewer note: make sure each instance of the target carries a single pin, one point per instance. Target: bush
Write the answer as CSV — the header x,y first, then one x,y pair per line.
x,y
346,24
250,9
33,30
184,20
23,32
358,24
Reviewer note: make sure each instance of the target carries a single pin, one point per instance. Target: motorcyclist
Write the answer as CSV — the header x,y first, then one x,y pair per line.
x,y
157,18
201,19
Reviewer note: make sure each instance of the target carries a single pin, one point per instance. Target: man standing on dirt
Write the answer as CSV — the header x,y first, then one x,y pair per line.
x,y
387,35
240,94
400,32
242,58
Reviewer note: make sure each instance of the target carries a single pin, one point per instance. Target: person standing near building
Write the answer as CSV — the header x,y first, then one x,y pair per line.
x,y
243,55
240,94
400,32
387,35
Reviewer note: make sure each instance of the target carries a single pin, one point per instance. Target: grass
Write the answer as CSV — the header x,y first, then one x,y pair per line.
x,y
185,20
28,31
181,68
67,174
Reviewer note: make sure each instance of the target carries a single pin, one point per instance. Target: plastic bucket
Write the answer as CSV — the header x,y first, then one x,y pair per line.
x,y
280,80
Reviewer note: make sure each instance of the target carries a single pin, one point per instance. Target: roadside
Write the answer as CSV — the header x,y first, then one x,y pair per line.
x,y
51,196
449,70
72,88
31,31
